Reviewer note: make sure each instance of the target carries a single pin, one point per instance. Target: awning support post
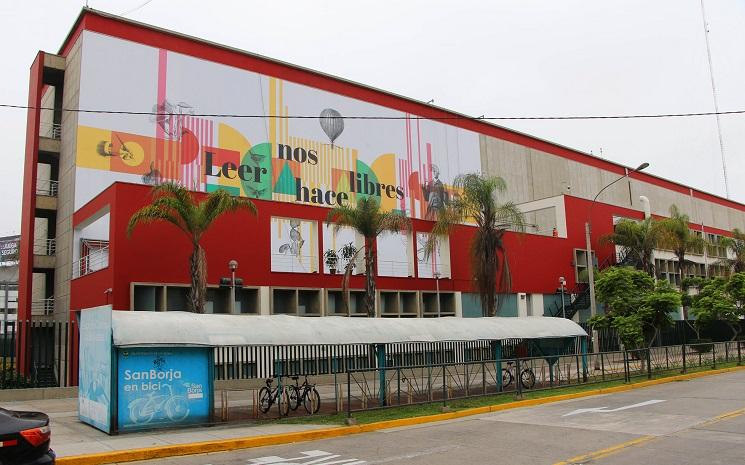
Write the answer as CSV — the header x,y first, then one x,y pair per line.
x,y
583,348
380,351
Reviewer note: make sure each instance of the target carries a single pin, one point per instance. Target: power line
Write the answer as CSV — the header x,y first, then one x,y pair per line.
x,y
125,13
362,117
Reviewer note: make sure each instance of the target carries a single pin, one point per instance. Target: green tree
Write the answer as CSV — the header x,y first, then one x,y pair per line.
x,y
369,221
715,302
676,235
637,239
477,203
736,245
174,204
635,306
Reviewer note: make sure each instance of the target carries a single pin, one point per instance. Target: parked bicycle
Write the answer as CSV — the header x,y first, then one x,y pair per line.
x,y
306,394
527,377
269,395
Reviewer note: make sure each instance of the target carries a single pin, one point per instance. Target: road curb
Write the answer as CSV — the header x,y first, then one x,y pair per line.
x,y
222,445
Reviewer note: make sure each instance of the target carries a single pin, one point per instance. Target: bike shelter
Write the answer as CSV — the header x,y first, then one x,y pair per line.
x,y
125,388
150,370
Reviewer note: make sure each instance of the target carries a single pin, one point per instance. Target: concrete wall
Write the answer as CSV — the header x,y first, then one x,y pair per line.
x,y
65,205
533,175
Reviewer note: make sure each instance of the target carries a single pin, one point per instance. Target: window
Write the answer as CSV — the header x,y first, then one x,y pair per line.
x,y
667,270
699,249
715,247
580,265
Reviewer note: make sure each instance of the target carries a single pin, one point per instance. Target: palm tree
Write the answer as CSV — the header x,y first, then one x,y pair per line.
x,y
736,245
369,221
638,239
176,205
676,235
477,203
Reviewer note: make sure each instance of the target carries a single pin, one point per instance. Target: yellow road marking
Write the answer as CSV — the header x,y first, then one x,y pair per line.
x,y
724,416
598,454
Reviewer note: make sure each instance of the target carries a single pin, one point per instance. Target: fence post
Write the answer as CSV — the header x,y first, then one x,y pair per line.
x,y
602,366
349,395
626,374
683,347
739,355
398,385
713,355
726,352
649,363
483,378
498,364
518,380
444,388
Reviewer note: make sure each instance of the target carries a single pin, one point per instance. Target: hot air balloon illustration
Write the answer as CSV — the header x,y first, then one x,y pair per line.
x,y
332,124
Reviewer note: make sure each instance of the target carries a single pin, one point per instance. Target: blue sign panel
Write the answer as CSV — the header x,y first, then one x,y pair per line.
x,y
94,374
163,387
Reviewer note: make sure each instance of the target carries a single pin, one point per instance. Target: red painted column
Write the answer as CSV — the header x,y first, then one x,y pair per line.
x,y
26,253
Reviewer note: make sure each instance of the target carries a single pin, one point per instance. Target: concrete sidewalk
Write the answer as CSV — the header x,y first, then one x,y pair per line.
x,y
71,437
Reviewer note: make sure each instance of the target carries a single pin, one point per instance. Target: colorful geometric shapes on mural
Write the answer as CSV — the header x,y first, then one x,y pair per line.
x,y
368,176
259,159
384,168
231,189
218,157
285,183
230,139
189,147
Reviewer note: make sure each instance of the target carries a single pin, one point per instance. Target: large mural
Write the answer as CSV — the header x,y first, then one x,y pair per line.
x,y
219,127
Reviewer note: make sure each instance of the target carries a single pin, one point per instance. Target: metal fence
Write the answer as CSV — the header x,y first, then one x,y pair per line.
x,y
449,378
367,389
47,345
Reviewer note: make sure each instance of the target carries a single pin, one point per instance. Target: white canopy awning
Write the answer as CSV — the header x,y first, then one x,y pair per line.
x,y
188,329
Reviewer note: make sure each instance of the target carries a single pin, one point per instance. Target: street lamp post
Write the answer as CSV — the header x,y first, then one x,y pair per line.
x,y
233,265
590,262
562,283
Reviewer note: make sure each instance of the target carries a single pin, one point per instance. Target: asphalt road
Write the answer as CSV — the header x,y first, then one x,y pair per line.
x,y
700,421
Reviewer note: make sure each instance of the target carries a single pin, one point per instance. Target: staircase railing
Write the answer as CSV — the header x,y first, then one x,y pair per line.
x,y
581,300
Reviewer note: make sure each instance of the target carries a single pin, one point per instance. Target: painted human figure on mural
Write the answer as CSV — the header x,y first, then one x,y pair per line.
x,y
434,193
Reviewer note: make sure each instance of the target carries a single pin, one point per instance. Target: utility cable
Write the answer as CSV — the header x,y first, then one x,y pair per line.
x,y
362,117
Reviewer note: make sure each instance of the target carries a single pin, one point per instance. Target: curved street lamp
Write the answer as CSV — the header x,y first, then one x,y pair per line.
x,y
590,262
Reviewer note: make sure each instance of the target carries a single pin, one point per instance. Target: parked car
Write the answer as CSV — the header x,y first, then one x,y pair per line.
x,y
24,438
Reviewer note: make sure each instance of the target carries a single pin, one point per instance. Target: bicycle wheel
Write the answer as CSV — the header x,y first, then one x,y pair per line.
x,y
506,377
527,378
295,397
284,404
265,400
312,401
140,412
177,408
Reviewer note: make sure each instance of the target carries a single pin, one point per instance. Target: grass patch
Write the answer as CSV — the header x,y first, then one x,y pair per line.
x,y
408,411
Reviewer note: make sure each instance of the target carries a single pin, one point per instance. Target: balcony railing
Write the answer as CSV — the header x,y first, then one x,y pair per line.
x,y
51,130
43,307
45,247
97,259
47,187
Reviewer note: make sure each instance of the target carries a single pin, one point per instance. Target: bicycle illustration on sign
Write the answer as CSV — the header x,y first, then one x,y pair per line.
x,y
174,407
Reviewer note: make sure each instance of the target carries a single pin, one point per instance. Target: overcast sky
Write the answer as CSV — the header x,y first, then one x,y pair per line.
x,y
498,58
